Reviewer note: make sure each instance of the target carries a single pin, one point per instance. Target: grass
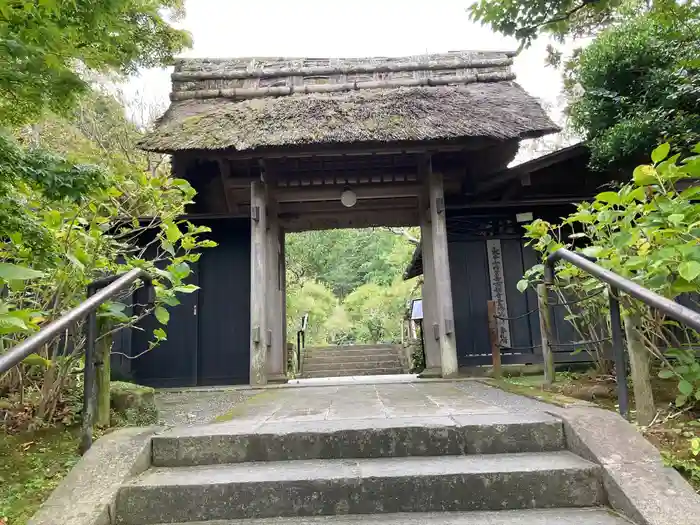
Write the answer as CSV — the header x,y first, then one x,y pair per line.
x,y
32,465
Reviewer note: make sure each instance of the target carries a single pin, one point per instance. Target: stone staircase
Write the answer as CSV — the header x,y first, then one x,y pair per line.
x,y
477,469
359,360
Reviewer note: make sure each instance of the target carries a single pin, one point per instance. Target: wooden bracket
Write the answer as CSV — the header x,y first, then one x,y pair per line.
x,y
268,339
440,204
436,331
255,334
255,213
449,326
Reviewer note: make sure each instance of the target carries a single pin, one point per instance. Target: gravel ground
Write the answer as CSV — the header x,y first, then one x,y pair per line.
x,y
195,407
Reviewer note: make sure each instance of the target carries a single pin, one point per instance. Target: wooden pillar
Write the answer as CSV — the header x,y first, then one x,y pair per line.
x,y
431,322
639,367
258,283
441,266
275,324
283,297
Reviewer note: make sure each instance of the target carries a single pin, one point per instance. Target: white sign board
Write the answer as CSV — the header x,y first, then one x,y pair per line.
x,y
498,289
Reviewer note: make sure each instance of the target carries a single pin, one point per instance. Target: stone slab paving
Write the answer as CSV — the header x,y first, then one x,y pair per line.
x,y
382,400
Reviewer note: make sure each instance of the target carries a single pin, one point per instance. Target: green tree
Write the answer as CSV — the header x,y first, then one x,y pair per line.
x,y
525,20
48,46
639,84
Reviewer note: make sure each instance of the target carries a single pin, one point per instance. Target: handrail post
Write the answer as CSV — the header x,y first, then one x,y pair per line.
x,y
493,337
619,353
548,339
89,376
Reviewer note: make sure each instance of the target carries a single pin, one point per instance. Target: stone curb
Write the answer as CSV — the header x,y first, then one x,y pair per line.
x,y
87,495
635,479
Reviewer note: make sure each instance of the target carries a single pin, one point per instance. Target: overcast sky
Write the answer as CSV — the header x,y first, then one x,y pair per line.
x,y
331,28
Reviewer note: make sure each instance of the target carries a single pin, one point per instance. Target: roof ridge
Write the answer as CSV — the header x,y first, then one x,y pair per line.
x,y
249,68
276,91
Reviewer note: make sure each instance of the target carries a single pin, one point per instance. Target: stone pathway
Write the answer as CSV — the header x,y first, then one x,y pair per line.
x,y
194,407
381,400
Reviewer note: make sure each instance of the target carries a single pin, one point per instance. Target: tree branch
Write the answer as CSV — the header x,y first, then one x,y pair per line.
x,y
563,16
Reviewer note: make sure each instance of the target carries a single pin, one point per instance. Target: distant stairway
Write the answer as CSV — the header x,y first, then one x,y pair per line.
x,y
337,361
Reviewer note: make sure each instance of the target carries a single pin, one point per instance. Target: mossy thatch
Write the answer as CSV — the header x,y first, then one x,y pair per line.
x,y
246,104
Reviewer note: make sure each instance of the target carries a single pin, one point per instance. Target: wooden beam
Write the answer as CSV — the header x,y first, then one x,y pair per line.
x,y
258,284
364,191
350,220
300,208
443,285
333,150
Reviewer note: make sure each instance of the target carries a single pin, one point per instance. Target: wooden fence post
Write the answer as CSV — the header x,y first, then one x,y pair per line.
x,y
546,331
493,337
639,368
103,375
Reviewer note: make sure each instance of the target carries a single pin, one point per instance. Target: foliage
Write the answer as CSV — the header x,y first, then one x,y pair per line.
x,y
636,84
32,466
557,18
639,83
48,47
345,259
648,231
63,224
349,282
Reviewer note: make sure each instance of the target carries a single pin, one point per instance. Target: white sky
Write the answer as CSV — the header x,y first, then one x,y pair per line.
x,y
332,28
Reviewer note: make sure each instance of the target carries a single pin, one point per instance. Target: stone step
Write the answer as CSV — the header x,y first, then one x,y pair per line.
x,y
590,516
350,358
361,486
358,438
353,347
352,372
350,352
369,364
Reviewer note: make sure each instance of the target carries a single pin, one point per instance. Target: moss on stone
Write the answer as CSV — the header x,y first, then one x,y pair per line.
x,y
132,404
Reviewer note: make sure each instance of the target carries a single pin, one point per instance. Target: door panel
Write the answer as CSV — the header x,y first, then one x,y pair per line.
x,y
224,316
173,362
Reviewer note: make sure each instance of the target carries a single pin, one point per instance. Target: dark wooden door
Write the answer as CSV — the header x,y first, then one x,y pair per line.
x,y
224,316
173,362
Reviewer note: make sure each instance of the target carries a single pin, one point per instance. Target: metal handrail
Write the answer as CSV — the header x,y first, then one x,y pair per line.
x,y
616,284
98,292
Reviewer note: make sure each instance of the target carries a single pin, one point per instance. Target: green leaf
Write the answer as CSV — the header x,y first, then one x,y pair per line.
x,y
644,175
685,388
592,251
37,360
13,272
666,374
610,197
160,334
186,288
689,270
676,218
681,400
162,315
522,285
660,153
10,324
172,232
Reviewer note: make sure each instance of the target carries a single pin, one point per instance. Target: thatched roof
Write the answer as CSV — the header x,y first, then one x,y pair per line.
x,y
250,103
